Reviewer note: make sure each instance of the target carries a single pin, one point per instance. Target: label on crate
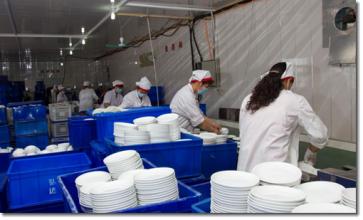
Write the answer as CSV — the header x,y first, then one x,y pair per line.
x,y
52,188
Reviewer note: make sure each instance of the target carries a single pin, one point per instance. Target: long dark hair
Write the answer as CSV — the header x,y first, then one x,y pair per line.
x,y
268,89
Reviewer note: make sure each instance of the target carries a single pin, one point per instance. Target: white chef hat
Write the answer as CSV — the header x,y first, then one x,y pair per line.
x,y
144,83
117,83
289,72
60,87
86,83
201,76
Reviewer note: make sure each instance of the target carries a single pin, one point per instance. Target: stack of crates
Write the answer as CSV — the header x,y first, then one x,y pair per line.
x,y
58,115
4,129
30,125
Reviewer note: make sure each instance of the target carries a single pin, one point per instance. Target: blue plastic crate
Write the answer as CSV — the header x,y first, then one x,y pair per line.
x,y
98,152
188,196
32,181
183,156
219,157
4,134
105,121
3,119
4,162
3,202
81,130
52,207
39,140
29,112
29,127
203,189
17,104
202,207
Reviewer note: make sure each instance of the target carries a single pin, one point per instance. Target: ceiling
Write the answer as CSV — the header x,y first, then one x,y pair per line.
x,y
66,17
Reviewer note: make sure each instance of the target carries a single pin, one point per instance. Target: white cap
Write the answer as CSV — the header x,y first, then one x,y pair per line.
x,y
289,72
201,75
144,83
60,87
86,83
117,83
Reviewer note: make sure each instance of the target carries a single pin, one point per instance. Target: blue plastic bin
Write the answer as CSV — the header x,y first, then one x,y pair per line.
x,y
202,207
17,104
32,181
98,152
183,156
204,189
3,119
52,207
29,112
39,140
105,121
3,203
188,196
29,127
4,134
81,130
219,157
4,162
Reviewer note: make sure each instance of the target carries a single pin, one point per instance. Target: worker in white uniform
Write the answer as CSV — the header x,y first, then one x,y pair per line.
x,y
61,97
271,119
87,97
185,103
114,97
139,97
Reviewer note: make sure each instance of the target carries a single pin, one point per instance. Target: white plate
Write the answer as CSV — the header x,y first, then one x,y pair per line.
x,y
120,156
156,128
113,187
277,173
235,179
130,174
350,194
145,120
155,174
90,177
322,192
323,208
278,193
168,118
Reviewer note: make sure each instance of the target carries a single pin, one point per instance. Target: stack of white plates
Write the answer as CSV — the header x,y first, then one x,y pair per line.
x,y
172,121
113,196
92,177
322,192
274,199
85,196
123,161
135,137
158,133
145,121
350,197
119,129
208,138
130,174
156,185
221,139
230,191
278,173
323,208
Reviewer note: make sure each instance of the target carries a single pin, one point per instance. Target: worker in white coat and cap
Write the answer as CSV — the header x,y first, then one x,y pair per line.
x,y
87,97
61,97
271,119
114,97
139,97
185,103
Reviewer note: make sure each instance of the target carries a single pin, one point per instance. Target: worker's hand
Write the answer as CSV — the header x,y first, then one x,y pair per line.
x,y
310,155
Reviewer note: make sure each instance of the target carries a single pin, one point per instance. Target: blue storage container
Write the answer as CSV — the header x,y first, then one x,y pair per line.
x,y
183,156
29,112
4,134
203,189
81,130
32,181
39,140
105,121
17,104
52,207
3,203
4,162
3,119
188,196
98,152
219,157
30,127
202,207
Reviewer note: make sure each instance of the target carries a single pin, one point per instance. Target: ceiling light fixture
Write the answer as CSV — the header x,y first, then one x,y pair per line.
x,y
61,64
82,30
83,41
112,1
70,42
71,52
113,15
61,52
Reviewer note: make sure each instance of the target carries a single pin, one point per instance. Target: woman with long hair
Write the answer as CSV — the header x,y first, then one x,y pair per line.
x,y
272,118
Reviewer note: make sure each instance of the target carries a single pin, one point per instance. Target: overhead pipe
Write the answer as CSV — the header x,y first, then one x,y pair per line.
x,y
40,36
178,7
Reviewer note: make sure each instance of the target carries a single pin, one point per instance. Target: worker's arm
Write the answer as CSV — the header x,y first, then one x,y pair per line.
x,y
311,155
210,125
